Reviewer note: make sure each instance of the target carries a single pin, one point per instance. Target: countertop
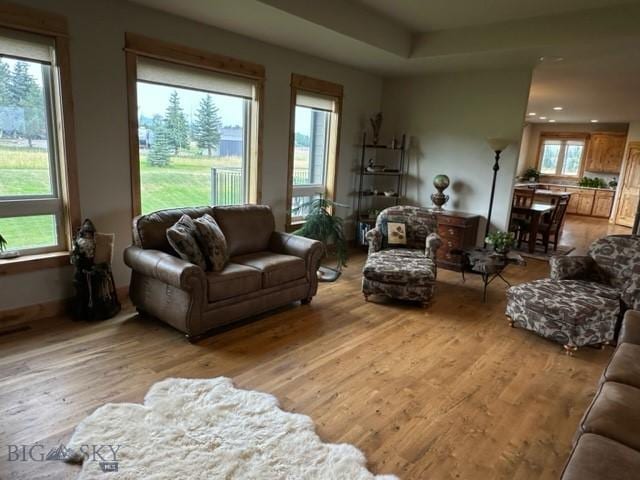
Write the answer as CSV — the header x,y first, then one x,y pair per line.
x,y
561,185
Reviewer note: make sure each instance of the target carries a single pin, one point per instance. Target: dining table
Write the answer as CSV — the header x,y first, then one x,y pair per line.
x,y
535,212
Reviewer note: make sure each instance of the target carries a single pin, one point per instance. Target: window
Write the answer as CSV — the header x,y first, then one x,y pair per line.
x,y
34,213
196,135
315,118
561,156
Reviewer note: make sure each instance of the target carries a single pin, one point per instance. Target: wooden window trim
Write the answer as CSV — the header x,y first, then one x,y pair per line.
x,y
322,87
141,46
27,19
563,136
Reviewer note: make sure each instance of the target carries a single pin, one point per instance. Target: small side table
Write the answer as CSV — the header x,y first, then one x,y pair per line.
x,y
489,265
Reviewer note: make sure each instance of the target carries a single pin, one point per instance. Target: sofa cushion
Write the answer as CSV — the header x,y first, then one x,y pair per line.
x,y
212,242
400,266
150,231
597,458
614,413
183,238
630,331
233,280
275,268
247,228
624,366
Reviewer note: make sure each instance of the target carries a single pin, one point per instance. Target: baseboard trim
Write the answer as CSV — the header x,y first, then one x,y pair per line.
x,y
41,311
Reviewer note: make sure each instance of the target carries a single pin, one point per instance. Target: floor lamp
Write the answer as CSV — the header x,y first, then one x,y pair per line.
x,y
498,145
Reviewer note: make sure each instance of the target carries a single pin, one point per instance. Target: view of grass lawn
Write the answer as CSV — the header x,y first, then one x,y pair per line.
x,y
186,181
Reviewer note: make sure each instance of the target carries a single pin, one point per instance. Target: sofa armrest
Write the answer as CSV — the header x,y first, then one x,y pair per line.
x,y
630,331
572,268
164,267
432,243
374,238
311,251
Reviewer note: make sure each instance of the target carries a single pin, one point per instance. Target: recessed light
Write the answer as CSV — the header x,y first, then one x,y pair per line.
x,y
557,108
532,114
552,121
594,121
544,118
551,58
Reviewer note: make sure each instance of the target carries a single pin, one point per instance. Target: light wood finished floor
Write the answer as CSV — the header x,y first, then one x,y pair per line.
x,y
450,392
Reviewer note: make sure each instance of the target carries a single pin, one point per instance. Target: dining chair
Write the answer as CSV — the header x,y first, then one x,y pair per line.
x,y
554,225
519,223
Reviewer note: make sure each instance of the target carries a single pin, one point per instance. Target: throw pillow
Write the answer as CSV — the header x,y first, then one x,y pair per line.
x,y
212,241
182,236
396,233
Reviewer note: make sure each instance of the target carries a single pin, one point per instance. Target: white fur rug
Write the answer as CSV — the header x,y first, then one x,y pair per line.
x,y
207,429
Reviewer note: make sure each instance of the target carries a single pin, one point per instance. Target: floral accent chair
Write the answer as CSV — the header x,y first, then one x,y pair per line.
x,y
583,301
403,266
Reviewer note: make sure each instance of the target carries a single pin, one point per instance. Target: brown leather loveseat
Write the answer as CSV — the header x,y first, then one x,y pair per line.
x,y
267,269
607,444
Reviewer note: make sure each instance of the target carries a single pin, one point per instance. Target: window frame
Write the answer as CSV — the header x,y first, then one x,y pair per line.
x,y
61,115
305,84
564,138
140,46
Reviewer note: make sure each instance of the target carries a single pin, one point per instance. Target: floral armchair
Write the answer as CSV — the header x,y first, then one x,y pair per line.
x,y
405,270
584,298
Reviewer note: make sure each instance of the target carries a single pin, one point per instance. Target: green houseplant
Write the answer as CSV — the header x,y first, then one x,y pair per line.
x,y
3,244
501,241
531,173
321,223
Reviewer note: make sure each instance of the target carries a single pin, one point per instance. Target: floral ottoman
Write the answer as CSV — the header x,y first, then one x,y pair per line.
x,y
571,312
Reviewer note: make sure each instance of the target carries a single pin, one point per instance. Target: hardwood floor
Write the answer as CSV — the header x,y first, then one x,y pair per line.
x,y
449,392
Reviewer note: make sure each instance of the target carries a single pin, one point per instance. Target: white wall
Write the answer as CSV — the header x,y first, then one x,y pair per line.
x,y
97,30
448,117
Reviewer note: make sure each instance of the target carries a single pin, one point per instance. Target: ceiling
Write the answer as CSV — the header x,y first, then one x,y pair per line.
x,y
424,16
598,40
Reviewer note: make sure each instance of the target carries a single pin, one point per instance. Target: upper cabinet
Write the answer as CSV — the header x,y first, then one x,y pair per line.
x,y
605,152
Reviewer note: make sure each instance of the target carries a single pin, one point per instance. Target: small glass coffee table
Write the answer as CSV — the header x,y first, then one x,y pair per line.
x,y
488,264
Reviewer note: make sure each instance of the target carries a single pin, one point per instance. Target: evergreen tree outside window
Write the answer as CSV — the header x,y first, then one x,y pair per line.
x,y
194,134
32,215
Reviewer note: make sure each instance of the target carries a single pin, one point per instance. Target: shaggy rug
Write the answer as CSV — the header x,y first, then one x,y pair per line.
x,y
207,429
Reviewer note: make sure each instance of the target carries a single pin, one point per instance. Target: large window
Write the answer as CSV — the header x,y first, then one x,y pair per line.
x,y
32,187
561,156
197,132
314,136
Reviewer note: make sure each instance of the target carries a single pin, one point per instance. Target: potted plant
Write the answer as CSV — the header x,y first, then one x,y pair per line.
x,y
531,174
3,250
501,241
321,223
3,244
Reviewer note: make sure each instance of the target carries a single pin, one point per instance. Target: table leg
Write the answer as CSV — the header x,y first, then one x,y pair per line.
x,y
485,281
533,231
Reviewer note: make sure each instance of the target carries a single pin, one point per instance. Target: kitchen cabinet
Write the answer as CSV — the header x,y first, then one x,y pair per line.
x,y
605,152
602,204
574,201
585,202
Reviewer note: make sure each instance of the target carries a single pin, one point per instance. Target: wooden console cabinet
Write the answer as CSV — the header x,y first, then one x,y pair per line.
x,y
458,230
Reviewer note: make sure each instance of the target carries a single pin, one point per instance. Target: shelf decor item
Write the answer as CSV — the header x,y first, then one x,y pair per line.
x,y
321,223
376,123
441,182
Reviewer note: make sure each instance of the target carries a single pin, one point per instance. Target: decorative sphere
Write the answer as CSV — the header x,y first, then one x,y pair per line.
x,y
441,181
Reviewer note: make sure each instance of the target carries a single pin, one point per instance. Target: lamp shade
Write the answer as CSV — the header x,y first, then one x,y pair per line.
x,y
498,144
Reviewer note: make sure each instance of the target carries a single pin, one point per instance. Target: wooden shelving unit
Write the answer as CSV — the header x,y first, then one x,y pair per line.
x,y
396,164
